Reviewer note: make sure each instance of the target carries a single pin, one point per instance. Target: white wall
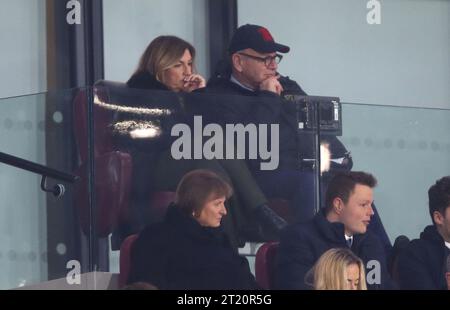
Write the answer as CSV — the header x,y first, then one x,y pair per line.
x,y
334,51
129,26
23,47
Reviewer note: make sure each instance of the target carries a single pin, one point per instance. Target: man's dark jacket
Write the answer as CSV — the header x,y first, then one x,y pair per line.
x,y
180,254
265,107
422,265
302,244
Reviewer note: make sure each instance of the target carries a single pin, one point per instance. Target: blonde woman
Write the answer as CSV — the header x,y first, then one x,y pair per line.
x,y
189,250
167,64
339,269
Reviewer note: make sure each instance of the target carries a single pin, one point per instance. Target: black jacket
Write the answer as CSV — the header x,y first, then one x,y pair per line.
x,y
421,266
265,107
145,80
181,254
301,245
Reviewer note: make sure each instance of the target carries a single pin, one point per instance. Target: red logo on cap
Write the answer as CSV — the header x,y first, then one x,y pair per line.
x,y
265,34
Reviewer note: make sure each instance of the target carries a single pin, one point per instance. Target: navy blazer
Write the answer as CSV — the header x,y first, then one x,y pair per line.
x,y
302,244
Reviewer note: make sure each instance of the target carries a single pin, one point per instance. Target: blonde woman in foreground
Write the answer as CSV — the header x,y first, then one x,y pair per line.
x,y
339,269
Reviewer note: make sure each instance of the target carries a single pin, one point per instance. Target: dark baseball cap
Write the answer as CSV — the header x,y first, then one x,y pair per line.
x,y
257,38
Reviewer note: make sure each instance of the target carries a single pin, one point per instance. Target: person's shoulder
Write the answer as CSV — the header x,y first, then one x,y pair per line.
x,y
217,83
291,86
145,80
419,246
370,239
154,232
369,244
298,230
223,85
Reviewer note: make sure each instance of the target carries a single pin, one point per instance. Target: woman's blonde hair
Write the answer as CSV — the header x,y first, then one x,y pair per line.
x,y
162,53
330,270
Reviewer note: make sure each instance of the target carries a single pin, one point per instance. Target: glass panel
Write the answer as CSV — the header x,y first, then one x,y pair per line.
x,y
40,236
407,149
24,47
143,131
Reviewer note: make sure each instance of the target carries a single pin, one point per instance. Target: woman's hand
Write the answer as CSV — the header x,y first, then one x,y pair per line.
x,y
193,82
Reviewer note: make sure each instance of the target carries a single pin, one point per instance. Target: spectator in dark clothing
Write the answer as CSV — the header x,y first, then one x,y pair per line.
x,y
422,265
189,250
341,224
168,64
252,71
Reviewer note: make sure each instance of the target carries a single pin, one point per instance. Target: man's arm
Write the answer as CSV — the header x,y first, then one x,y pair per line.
x,y
413,270
294,260
148,258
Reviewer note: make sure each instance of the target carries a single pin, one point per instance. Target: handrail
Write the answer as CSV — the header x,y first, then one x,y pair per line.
x,y
37,168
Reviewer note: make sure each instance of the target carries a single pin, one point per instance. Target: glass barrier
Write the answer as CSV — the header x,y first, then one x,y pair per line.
x,y
130,153
41,240
159,136
382,140
407,150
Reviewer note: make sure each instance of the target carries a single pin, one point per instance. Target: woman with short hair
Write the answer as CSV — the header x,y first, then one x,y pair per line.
x,y
188,250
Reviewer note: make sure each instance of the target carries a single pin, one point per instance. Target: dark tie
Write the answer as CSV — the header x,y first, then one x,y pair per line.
x,y
349,242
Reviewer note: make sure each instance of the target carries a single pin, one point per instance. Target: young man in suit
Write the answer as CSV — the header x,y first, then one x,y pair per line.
x,y
342,223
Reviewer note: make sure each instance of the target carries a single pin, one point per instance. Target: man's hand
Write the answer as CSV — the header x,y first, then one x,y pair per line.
x,y
271,84
193,82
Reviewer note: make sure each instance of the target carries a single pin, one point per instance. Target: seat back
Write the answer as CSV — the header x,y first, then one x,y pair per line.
x,y
112,166
112,190
159,201
400,244
265,265
283,209
125,259
103,138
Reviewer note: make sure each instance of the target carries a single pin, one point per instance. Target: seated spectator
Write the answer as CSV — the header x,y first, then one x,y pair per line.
x,y
341,224
339,269
168,63
422,265
188,250
252,70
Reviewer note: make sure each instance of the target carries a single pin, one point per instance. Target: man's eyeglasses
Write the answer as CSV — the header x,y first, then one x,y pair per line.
x,y
267,60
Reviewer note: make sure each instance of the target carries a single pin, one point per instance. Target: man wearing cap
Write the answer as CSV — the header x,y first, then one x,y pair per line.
x,y
254,63
251,70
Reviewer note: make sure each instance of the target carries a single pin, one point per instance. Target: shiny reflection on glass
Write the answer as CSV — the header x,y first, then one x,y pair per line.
x,y
137,129
58,117
129,109
61,249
